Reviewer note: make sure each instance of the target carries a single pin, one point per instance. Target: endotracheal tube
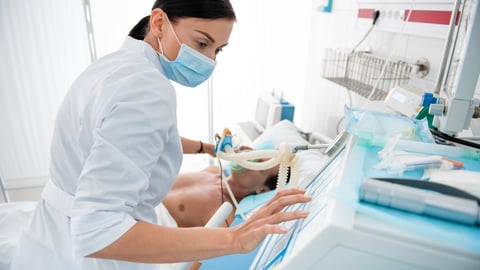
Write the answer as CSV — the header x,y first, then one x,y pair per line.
x,y
283,156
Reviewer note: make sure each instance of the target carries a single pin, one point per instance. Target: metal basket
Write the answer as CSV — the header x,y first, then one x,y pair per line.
x,y
363,72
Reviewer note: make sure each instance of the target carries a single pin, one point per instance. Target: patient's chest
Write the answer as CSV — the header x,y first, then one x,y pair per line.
x,y
193,200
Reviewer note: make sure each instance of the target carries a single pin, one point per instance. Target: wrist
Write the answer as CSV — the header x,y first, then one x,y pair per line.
x,y
230,241
200,149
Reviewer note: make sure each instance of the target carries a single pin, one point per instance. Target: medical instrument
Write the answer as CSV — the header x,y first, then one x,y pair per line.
x,y
216,220
401,161
271,108
433,162
443,188
330,148
404,101
342,232
454,112
220,215
283,156
461,179
420,201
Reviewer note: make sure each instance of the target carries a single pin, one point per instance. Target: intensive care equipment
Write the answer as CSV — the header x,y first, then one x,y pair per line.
x,y
357,223
282,156
271,108
366,217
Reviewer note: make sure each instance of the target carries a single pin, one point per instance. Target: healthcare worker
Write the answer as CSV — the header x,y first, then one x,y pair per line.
x,y
116,152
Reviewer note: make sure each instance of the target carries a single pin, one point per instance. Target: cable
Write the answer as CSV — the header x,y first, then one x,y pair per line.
x,y
221,187
232,196
472,138
376,14
384,68
453,139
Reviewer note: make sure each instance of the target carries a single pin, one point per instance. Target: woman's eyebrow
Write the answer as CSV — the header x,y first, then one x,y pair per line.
x,y
207,35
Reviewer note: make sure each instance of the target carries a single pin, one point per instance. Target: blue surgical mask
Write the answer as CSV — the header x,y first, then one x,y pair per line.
x,y
190,68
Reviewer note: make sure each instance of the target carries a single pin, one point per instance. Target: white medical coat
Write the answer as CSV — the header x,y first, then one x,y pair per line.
x,y
116,152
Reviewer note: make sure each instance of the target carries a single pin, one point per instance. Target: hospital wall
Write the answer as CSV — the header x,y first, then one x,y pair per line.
x,y
342,29
275,44
44,46
267,49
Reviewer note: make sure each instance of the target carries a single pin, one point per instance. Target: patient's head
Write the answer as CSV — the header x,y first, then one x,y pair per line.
x,y
254,181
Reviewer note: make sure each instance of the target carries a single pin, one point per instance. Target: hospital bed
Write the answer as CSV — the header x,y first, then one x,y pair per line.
x,y
343,232
15,216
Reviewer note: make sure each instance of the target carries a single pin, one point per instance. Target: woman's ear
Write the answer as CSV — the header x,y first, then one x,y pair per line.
x,y
157,22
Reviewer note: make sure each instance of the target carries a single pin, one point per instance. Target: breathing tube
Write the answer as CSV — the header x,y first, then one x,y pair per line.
x,y
249,159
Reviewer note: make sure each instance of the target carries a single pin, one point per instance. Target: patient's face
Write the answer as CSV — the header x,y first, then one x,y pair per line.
x,y
254,180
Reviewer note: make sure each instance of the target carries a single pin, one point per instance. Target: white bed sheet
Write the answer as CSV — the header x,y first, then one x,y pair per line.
x,y
14,217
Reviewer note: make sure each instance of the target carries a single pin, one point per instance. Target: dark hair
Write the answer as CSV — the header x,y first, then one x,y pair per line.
x,y
175,9
271,181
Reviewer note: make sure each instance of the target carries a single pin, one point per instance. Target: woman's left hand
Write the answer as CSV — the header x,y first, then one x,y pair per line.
x,y
248,235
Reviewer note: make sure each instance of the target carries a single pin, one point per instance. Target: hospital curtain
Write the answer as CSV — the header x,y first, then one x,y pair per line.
x,y
43,47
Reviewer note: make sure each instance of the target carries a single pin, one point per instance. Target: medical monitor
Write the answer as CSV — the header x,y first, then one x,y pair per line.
x,y
270,109
268,112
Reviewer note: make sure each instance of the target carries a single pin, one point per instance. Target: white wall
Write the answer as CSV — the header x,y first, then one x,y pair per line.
x,y
43,48
267,49
324,101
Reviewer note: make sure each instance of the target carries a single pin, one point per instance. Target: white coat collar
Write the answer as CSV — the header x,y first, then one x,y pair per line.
x,y
131,44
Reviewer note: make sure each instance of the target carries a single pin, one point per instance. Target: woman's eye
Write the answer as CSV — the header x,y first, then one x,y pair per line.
x,y
217,51
202,44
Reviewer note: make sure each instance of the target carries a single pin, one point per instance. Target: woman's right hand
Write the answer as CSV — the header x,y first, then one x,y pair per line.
x,y
248,235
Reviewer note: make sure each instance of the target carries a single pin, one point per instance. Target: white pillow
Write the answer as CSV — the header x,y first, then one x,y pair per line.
x,y
283,131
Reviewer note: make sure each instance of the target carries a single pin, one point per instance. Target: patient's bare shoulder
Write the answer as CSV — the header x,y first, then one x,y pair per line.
x,y
212,169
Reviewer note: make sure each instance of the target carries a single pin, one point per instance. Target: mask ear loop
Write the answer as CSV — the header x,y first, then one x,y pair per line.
x,y
173,31
160,46
174,34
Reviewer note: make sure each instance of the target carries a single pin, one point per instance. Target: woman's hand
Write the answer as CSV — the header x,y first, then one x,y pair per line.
x,y
248,235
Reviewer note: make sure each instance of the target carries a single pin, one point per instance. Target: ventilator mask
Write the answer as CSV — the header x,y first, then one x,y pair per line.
x,y
190,68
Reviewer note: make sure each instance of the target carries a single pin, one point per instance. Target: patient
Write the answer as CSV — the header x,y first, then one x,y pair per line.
x,y
196,196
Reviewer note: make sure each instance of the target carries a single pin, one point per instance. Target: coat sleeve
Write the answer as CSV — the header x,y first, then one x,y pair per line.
x,y
129,136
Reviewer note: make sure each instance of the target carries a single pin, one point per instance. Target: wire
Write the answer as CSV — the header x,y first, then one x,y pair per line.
x,y
384,68
472,138
376,14
221,186
453,139
364,37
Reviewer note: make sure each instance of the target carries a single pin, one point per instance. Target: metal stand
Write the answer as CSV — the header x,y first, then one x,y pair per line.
x,y
3,189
